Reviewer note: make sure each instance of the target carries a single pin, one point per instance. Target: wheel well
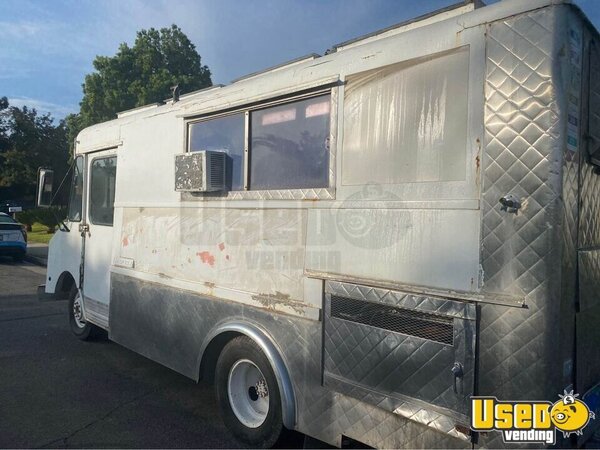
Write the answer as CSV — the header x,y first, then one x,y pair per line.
x,y
224,333
212,352
64,285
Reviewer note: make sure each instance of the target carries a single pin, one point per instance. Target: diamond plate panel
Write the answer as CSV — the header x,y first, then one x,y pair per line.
x,y
405,374
276,194
522,128
523,156
327,414
405,300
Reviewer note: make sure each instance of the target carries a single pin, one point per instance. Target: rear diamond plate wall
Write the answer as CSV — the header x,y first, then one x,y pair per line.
x,y
520,255
521,125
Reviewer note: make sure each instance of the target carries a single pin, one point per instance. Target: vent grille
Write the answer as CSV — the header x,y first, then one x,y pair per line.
x,y
414,323
216,163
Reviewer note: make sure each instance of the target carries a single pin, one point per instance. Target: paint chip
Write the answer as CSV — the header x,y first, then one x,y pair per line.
x,y
206,258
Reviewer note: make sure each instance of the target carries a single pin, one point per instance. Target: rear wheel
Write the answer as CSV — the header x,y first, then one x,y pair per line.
x,y
248,394
80,328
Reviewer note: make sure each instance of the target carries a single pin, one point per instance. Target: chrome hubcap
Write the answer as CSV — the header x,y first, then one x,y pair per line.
x,y
78,311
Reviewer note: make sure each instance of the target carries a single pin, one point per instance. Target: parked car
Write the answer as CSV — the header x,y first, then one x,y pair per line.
x,y
13,238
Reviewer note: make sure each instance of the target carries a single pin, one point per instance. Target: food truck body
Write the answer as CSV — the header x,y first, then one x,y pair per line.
x,y
355,244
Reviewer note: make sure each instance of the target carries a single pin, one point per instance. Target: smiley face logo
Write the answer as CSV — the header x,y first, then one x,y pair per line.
x,y
570,415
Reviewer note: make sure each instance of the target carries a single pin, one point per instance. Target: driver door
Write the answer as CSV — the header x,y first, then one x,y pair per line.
x,y
102,170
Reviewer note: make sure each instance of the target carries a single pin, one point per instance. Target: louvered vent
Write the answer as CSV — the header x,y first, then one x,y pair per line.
x,y
406,321
215,166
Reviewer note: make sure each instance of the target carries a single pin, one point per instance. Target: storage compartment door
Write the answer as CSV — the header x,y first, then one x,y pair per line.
x,y
410,354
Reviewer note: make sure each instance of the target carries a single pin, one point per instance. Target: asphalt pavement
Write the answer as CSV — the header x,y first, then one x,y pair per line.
x,y
59,392
37,253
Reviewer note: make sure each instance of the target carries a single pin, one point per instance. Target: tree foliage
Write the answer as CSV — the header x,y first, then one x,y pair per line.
x,y
29,140
139,75
135,76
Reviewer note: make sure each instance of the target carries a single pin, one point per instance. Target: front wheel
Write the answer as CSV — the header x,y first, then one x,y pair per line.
x,y
248,394
80,328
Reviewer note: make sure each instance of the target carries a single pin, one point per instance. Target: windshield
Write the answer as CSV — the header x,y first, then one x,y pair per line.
x,y
6,219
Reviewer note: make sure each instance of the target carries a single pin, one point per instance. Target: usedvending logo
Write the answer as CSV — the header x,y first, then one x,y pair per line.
x,y
531,421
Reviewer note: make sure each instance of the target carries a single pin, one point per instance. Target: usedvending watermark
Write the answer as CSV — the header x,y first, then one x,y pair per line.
x,y
531,421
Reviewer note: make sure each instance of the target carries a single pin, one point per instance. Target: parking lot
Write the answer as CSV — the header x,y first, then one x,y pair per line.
x,y
57,391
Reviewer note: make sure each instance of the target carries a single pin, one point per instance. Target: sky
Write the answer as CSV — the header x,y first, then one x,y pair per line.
x,y
47,47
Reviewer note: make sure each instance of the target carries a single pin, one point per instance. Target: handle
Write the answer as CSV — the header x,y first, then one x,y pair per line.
x,y
510,203
457,371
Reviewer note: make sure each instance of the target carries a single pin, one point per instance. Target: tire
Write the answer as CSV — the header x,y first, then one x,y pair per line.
x,y
251,411
18,258
81,329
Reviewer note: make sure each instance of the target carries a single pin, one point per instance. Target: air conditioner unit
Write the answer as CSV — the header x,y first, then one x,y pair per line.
x,y
202,171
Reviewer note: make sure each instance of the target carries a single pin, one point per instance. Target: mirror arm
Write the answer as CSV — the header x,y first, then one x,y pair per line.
x,y
62,182
62,226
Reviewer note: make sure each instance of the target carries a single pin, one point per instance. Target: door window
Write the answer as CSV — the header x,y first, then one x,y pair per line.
x,y
76,195
102,190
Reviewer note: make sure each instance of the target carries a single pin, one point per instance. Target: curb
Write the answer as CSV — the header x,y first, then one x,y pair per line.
x,y
35,260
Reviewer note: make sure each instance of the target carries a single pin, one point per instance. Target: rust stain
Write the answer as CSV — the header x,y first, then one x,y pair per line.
x,y
210,287
221,246
478,163
125,241
272,301
206,258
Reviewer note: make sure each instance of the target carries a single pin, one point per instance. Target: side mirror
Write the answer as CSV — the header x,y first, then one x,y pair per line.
x,y
44,188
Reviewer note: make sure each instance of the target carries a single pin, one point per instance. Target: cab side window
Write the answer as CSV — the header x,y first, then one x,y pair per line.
x,y
102,190
76,195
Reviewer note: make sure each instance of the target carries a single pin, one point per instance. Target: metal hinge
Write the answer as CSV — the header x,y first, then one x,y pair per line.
x,y
84,228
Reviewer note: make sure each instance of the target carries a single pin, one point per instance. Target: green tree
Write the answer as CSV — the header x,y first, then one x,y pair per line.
x,y
139,75
29,140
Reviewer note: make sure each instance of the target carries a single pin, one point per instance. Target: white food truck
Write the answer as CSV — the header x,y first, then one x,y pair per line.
x,y
355,244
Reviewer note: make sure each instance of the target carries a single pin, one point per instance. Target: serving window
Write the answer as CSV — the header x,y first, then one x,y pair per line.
x,y
281,146
407,122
